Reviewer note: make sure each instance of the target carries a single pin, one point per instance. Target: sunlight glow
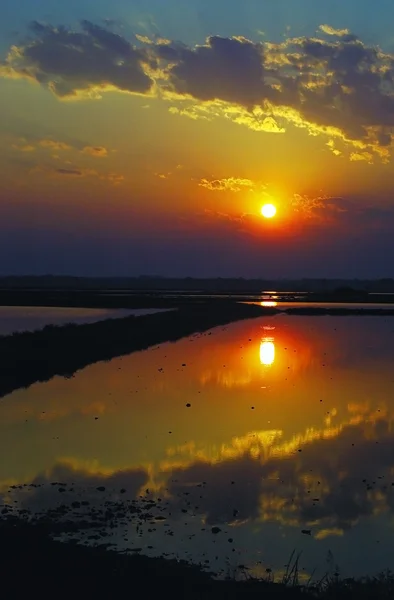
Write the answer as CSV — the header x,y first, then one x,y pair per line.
x,y
269,303
267,352
268,211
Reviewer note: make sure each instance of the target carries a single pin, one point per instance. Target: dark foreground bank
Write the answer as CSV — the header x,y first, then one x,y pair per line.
x,y
33,563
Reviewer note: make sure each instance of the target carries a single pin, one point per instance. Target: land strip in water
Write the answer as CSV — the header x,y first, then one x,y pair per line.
x,y
30,357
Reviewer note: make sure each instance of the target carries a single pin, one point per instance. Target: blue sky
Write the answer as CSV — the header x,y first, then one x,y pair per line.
x,y
192,20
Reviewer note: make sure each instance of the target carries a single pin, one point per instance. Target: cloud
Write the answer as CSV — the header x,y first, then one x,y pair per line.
x,y
24,147
327,479
77,172
193,112
257,122
221,501
73,64
361,156
43,494
114,178
144,39
332,31
338,86
230,184
334,150
255,119
72,172
229,69
59,146
97,151
310,221
54,145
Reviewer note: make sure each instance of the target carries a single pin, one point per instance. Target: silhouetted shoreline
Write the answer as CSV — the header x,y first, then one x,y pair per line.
x,y
33,562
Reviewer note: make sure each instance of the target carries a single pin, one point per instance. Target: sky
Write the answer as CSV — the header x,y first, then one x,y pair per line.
x,y
143,137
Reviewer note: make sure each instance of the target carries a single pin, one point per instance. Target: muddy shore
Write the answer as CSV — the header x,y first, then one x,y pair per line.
x,y
34,563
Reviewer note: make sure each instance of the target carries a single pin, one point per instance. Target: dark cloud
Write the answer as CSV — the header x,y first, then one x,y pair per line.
x,y
69,62
356,214
230,492
114,178
329,480
332,483
105,38
335,85
77,482
341,84
230,69
359,222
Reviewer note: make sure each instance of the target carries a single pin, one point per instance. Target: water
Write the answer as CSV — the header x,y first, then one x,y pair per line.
x,y
30,318
280,304
289,429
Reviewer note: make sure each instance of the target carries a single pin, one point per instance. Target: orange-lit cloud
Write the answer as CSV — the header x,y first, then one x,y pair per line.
x,y
363,156
97,151
326,479
231,184
54,145
24,147
338,86
307,82
59,146
332,31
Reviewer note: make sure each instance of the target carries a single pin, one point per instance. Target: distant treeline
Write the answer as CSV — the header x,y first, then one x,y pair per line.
x,y
190,284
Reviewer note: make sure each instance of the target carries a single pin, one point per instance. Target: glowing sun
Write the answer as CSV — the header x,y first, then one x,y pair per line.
x,y
268,211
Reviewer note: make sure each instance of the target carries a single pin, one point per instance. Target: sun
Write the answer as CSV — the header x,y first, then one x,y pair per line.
x,y
268,211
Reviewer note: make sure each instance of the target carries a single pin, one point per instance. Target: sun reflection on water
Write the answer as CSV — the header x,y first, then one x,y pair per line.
x,y
267,351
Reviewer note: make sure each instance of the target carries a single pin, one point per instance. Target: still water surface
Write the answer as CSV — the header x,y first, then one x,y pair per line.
x,y
279,304
263,429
